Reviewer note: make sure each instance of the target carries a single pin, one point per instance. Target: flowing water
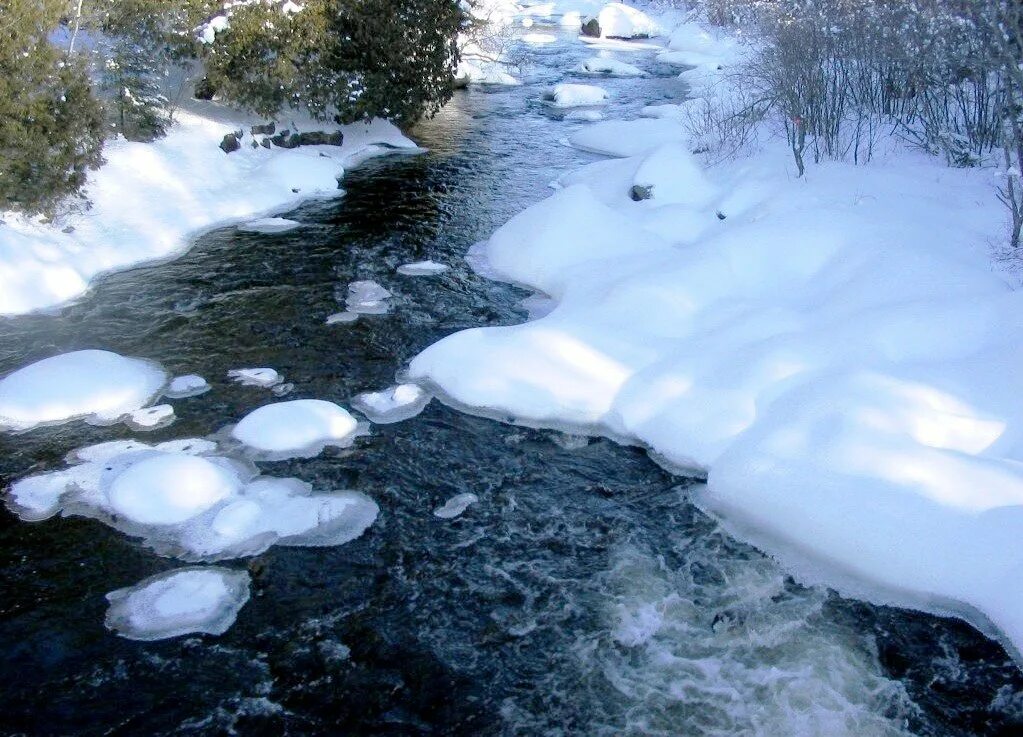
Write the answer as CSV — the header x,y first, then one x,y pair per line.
x,y
582,595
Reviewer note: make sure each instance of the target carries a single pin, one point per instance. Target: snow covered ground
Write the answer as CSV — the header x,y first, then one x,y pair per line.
x,y
836,353
150,199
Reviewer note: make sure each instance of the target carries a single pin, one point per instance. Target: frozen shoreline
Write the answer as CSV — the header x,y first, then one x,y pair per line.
x,y
151,200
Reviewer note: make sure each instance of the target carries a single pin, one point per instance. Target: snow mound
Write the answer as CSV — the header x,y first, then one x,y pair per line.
x,y
367,298
574,95
189,385
455,506
265,378
270,225
299,428
422,268
395,404
99,386
169,488
185,500
181,602
610,67
671,175
669,111
626,137
622,21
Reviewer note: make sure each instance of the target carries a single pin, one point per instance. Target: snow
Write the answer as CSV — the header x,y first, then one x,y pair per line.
x,y
584,116
394,404
422,268
181,602
189,385
150,418
622,21
190,499
302,427
626,137
270,225
669,111
265,378
836,355
168,488
455,506
610,67
539,39
99,386
573,95
150,199
339,318
367,298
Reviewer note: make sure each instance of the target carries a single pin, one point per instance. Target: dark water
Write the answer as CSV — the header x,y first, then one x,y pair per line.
x,y
583,595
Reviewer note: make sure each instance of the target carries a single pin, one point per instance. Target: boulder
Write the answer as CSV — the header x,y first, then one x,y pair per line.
x,y
591,28
641,192
264,130
231,143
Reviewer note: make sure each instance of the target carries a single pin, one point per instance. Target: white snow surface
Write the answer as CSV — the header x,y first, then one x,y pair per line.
x,y
301,427
99,386
188,385
169,488
394,404
150,199
837,355
180,602
626,137
600,65
618,20
575,95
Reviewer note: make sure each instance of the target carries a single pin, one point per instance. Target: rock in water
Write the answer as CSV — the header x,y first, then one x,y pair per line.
x,y
181,602
591,28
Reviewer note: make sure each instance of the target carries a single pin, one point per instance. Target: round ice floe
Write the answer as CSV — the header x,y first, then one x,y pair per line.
x,y
98,385
394,404
180,602
151,418
169,488
299,427
422,268
270,225
261,377
455,506
189,385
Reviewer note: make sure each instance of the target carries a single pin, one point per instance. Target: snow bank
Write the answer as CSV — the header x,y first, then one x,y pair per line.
x,y
149,200
99,386
191,500
622,21
626,137
300,428
836,354
181,602
395,404
610,67
573,95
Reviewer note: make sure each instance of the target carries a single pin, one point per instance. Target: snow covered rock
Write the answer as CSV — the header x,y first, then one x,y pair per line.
x,y
455,506
626,137
671,175
270,225
150,418
422,268
99,386
574,95
618,20
610,67
169,488
265,378
395,404
189,385
302,427
181,602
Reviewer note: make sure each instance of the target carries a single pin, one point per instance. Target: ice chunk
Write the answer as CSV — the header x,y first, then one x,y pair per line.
x,y
100,386
395,404
261,377
302,427
622,21
339,318
181,602
168,488
626,137
455,506
367,298
610,67
270,225
573,95
189,385
422,268
151,418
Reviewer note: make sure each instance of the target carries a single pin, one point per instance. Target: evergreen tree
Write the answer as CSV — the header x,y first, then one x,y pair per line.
x,y
51,126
